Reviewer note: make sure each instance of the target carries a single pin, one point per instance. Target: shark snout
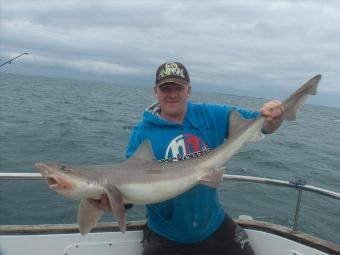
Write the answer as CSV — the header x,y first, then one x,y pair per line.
x,y
42,168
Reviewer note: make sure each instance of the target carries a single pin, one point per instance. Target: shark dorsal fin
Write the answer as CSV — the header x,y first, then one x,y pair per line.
x,y
144,152
237,124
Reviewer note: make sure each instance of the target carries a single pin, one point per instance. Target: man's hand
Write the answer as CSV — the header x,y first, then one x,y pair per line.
x,y
273,114
101,204
104,203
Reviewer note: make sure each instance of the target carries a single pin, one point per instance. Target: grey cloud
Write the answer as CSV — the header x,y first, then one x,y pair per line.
x,y
246,45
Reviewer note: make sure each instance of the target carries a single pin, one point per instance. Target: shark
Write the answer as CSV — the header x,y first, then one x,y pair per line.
x,y
144,180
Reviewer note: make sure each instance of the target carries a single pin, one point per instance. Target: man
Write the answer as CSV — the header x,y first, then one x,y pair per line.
x,y
194,222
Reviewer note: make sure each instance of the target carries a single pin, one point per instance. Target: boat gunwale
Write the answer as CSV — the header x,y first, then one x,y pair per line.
x,y
271,228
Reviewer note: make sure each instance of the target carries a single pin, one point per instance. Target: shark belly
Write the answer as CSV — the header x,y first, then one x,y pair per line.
x,y
154,192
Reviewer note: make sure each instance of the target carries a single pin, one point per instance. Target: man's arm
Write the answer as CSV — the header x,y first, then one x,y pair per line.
x,y
272,111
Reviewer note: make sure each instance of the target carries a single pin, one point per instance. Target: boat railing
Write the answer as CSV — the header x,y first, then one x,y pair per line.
x,y
300,185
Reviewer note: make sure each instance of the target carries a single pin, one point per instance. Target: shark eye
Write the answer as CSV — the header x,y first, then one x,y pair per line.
x,y
65,169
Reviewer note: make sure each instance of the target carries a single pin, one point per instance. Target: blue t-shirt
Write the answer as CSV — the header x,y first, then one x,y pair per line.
x,y
194,215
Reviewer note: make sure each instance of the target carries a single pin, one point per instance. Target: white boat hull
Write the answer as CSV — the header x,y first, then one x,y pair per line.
x,y
265,238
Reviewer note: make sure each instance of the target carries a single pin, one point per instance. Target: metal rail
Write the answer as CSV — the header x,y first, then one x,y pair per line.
x,y
300,185
21,176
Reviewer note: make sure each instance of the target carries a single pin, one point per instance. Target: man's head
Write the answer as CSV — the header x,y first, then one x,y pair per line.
x,y
172,72
172,89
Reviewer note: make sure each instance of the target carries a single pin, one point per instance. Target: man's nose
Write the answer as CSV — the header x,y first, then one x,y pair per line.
x,y
173,92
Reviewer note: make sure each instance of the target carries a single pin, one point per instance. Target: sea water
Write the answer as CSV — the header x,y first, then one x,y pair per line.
x,y
87,123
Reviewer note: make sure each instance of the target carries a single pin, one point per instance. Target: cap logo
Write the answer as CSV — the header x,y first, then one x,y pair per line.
x,y
171,69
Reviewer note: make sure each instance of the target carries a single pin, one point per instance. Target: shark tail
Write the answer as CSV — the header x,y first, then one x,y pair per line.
x,y
295,101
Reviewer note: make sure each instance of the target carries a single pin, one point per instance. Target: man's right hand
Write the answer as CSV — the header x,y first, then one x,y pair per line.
x,y
101,204
104,203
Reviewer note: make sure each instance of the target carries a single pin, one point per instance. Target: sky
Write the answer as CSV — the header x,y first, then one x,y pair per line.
x,y
257,48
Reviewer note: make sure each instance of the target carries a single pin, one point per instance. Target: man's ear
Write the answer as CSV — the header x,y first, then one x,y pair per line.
x,y
189,90
155,91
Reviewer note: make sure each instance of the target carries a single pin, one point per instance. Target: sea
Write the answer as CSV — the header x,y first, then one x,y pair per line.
x,y
87,123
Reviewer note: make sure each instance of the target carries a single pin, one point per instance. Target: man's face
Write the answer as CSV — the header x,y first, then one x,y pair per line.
x,y
172,99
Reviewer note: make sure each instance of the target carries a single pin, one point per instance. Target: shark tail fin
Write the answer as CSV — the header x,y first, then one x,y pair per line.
x,y
237,124
88,216
295,101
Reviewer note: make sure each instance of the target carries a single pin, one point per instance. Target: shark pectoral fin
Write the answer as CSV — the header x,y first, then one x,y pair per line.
x,y
88,216
213,178
117,206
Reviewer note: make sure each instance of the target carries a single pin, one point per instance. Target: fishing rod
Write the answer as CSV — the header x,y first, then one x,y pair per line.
x,y
10,61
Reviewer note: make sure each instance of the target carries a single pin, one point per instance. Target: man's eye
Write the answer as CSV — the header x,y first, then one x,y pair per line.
x,y
169,89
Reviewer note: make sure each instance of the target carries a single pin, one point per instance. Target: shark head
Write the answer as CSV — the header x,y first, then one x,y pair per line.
x,y
65,180
57,176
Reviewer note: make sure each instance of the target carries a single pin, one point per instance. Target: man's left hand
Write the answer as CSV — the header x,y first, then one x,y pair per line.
x,y
273,114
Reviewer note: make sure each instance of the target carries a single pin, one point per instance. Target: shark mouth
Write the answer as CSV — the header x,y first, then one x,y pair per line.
x,y
52,181
59,181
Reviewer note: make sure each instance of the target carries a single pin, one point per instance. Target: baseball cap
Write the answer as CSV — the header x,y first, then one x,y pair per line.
x,y
172,72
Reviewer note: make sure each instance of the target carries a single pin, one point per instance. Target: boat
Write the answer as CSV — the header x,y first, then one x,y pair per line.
x,y
64,239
